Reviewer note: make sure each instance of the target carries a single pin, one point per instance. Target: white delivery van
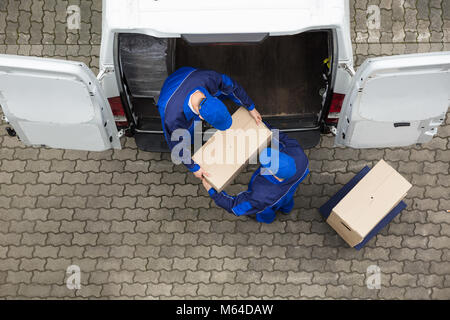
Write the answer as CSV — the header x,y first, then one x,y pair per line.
x,y
275,49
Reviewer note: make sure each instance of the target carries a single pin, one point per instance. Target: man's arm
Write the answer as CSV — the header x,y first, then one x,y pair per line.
x,y
240,205
234,91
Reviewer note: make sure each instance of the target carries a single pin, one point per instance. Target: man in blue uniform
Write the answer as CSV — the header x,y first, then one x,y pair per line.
x,y
268,192
190,95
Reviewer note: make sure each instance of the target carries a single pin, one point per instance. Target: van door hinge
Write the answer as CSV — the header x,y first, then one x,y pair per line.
x,y
347,68
104,71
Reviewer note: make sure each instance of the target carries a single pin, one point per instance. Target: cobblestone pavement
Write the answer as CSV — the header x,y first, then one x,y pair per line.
x,y
140,227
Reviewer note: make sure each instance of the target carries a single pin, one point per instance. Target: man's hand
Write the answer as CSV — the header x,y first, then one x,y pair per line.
x,y
206,185
201,173
256,115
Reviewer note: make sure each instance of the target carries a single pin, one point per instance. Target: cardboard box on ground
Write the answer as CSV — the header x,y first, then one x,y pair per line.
x,y
228,152
368,203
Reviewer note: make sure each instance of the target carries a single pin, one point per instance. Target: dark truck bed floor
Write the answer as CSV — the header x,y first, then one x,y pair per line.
x,y
283,75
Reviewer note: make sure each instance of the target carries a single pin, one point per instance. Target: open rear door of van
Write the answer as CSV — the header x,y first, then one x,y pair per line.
x,y
56,103
396,101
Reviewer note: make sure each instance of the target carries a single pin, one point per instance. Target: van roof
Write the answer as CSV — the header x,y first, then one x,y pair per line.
x,y
171,18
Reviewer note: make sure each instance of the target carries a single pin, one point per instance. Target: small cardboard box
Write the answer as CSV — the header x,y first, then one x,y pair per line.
x,y
226,153
368,203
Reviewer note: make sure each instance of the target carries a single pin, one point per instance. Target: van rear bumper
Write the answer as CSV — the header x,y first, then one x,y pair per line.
x,y
156,142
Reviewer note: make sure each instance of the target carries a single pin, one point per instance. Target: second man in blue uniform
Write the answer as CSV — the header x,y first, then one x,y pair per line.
x,y
268,191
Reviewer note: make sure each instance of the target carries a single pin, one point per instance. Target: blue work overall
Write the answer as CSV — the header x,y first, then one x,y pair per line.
x,y
173,103
266,195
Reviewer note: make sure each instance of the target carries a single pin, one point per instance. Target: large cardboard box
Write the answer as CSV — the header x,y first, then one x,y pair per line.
x,y
226,153
368,203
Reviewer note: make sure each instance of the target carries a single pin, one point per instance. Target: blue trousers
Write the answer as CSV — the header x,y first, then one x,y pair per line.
x,y
285,206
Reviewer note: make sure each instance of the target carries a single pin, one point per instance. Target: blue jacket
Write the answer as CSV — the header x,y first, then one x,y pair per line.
x,y
174,98
266,195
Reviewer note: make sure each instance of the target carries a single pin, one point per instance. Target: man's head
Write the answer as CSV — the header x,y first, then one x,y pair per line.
x,y
280,164
213,111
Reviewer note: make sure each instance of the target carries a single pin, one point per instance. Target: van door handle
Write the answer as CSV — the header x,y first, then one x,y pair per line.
x,y
402,124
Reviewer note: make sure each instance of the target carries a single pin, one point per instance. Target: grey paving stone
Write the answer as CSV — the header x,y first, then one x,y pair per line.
x,y
441,294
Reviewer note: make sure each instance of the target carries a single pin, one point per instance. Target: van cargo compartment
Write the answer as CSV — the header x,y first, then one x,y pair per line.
x,y
284,75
